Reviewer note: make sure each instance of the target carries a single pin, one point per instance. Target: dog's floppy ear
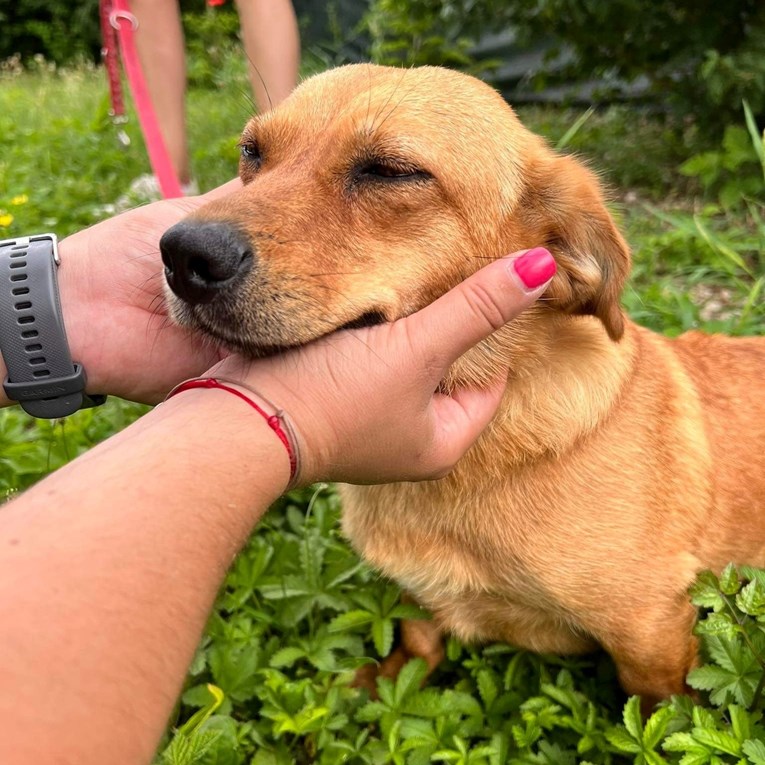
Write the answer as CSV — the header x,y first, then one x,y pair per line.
x,y
564,207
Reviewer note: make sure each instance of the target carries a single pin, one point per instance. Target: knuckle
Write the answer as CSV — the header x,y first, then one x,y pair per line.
x,y
440,466
485,305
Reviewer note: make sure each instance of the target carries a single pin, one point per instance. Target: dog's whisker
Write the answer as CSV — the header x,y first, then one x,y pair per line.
x,y
369,95
262,81
388,100
396,106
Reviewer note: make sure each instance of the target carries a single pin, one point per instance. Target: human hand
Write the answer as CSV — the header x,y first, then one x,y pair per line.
x,y
111,285
362,402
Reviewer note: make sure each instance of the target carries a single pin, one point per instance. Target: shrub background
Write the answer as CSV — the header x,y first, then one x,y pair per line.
x,y
700,57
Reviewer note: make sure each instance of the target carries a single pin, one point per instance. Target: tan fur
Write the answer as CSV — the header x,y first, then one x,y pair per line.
x,y
620,462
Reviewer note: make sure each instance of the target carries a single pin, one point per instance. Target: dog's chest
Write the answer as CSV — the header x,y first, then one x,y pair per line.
x,y
475,583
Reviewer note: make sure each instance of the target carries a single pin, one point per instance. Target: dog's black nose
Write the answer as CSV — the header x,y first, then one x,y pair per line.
x,y
203,259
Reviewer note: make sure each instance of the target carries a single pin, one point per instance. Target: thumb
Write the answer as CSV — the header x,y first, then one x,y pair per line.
x,y
480,305
459,419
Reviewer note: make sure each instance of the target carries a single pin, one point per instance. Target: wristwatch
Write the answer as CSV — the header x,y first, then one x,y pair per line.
x,y
41,374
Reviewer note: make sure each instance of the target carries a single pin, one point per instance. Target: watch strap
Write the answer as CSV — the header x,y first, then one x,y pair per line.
x,y
41,374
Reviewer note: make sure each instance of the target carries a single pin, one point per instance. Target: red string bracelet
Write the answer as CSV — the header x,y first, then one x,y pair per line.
x,y
277,421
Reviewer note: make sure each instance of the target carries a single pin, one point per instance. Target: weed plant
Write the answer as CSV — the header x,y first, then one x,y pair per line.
x,y
299,612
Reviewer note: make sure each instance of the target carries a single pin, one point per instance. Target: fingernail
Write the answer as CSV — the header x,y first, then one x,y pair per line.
x,y
535,267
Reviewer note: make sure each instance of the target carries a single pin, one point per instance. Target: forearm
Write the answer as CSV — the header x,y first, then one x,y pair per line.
x,y
105,592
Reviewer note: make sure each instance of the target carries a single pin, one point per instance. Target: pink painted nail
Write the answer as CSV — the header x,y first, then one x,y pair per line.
x,y
535,267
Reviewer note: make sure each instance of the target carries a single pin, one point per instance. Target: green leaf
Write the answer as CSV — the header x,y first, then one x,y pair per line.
x,y
656,726
682,742
574,129
202,715
709,678
623,741
736,677
705,592
751,599
526,736
501,748
717,624
698,757
453,649
408,611
286,657
445,755
633,720
654,758
740,721
754,751
730,583
487,687
198,696
382,635
233,668
350,620
189,749
585,744
703,718
372,711
757,138
719,740
409,679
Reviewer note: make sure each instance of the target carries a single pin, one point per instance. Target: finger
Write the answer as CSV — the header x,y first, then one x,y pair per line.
x,y
222,191
460,419
189,204
480,305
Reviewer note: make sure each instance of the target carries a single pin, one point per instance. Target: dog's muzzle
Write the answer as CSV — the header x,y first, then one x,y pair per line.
x,y
204,260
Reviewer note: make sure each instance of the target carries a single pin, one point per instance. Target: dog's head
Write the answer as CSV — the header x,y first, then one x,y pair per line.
x,y
370,192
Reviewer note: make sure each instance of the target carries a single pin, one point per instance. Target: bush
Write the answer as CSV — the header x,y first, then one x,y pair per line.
x,y
430,32
60,31
702,56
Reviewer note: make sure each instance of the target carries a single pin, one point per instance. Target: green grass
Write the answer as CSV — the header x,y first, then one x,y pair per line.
x,y
59,148
299,612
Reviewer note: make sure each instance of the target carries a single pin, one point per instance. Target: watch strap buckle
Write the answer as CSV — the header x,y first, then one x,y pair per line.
x,y
53,397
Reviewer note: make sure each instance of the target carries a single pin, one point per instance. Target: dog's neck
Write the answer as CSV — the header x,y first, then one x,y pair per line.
x,y
559,389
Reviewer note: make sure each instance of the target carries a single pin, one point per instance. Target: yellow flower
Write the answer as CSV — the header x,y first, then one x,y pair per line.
x,y
21,199
5,219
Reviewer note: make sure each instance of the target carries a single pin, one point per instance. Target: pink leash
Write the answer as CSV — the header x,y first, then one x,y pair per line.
x,y
116,15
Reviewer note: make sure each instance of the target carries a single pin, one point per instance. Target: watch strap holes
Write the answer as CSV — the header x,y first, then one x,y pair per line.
x,y
41,373
32,347
26,319
23,305
20,291
29,333
18,277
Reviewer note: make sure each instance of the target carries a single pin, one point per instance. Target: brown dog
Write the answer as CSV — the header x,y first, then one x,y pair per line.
x,y
620,463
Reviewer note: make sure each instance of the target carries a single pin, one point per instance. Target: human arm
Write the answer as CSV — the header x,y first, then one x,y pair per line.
x,y
109,567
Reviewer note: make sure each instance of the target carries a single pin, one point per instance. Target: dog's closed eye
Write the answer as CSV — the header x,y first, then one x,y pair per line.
x,y
388,170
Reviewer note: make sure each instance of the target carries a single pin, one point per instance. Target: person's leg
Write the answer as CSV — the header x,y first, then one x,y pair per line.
x,y
272,43
160,44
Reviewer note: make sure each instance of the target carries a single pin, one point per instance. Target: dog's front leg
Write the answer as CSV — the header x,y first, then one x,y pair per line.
x,y
420,638
655,652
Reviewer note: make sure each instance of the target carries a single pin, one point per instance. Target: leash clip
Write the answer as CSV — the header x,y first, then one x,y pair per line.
x,y
115,16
